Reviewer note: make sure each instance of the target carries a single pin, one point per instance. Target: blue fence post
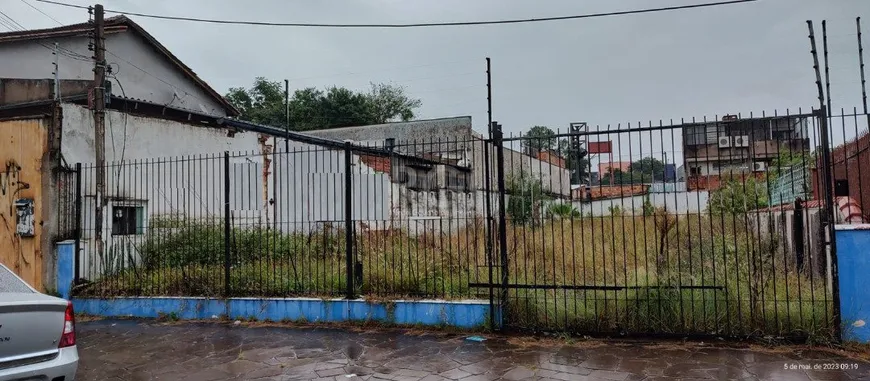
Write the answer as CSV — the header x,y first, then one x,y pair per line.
x,y
854,285
65,267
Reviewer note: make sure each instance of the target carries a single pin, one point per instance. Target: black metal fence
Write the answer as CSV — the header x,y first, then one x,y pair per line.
x,y
711,227
402,220
642,246
66,182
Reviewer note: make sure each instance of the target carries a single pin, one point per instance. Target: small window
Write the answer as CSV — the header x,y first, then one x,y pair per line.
x,y
128,220
695,171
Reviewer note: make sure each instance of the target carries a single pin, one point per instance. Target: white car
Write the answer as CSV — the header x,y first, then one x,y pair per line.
x,y
37,333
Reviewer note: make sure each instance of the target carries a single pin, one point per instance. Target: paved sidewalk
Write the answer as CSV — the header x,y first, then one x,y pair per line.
x,y
132,350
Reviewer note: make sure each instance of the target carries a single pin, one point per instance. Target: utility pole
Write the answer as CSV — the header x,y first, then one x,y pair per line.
x,y
99,105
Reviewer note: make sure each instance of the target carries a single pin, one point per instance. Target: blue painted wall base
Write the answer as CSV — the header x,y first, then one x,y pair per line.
x,y
853,259
461,314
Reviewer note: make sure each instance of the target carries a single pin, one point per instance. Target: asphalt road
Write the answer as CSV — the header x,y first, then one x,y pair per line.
x,y
147,350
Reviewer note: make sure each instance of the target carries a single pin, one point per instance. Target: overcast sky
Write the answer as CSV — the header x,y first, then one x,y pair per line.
x,y
698,62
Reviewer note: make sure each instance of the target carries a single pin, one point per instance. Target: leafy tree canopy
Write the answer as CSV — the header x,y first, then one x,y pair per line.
x,y
312,109
542,138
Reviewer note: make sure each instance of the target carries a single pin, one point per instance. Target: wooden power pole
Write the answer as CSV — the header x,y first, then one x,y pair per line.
x,y
99,104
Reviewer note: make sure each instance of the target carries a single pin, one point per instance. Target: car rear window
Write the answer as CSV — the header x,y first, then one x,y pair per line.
x,y
11,283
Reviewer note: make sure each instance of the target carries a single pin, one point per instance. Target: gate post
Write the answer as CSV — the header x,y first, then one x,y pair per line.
x,y
227,227
798,235
348,220
829,220
498,140
78,225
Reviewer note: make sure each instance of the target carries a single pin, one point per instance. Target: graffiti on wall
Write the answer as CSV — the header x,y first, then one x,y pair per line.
x,y
9,180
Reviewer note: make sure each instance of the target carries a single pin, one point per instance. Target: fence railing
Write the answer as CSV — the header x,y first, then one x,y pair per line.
x,y
405,220
695,227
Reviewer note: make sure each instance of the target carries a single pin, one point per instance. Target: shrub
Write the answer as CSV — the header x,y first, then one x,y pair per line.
x,y
563,211
525,195
738,197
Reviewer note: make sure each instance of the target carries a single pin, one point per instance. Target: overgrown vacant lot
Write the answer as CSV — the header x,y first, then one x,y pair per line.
x,y
712,274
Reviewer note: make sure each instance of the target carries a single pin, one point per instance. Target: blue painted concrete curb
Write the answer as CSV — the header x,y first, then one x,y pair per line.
x,y
461,314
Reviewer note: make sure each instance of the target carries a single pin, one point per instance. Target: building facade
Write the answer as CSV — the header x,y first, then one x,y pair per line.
x,y
716,151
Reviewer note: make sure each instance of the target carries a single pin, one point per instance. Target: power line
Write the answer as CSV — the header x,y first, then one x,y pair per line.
x,y
358,72
16,23
64,51
172,86
15,26
412,25
40,11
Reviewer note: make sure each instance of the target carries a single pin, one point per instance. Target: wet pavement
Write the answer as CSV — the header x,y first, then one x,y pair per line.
x,y
133,350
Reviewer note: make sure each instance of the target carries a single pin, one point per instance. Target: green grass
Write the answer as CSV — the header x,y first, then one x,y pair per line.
x,y
659,260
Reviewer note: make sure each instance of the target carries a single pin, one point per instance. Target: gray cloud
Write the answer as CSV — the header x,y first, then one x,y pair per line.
x,y
738,58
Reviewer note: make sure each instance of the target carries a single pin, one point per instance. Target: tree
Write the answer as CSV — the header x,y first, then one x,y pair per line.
x,y
312,109
540,138
389,103
618,177
786,160
650,167
263,103
525,195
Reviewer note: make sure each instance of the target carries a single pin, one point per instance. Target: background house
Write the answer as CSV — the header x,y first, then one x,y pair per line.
x,y
740,147
140,66
158,108
453,192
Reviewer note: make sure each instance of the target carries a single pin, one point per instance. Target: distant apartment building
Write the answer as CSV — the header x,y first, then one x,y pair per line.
x,y
715,151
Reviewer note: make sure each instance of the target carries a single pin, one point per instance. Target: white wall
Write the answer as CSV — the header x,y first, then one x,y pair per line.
x,y
311,190
553,179
133,137
675,202
150,77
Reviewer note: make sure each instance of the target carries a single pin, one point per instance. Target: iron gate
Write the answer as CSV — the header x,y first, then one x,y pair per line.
x,y
640,246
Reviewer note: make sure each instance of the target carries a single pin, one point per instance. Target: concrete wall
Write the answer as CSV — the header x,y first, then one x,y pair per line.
x,y
170,169
675,202
163,83
131,137
23,170
454,139
780,224
554,180
470,314
419,132
300,190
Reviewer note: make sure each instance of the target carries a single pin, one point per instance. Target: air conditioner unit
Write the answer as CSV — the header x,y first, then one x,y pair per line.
x,y
724,141
759,166
741,141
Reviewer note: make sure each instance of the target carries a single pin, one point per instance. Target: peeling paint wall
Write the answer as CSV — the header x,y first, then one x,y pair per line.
x,y
23,144
163,173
